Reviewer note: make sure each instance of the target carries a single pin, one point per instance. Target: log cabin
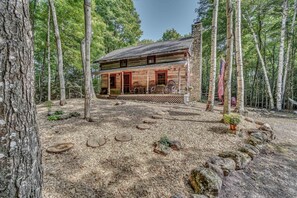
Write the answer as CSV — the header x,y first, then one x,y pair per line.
x,y
167,71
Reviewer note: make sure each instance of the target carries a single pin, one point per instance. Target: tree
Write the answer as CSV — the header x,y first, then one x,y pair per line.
x,y
87,69
170,34
229,58
281,57
20,154
239,61
262,62
212,79
49,54
289,50
60,54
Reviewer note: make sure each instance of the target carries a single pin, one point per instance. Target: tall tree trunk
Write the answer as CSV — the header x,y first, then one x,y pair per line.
x,y
20,154
87,69
49,54
229,58
212,79
83,58
60,55
239,61
289,49
281,57
42,74
262,63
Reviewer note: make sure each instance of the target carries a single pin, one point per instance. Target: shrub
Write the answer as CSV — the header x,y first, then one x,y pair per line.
x,y
164,140
49,104
232,118
58,113
53,117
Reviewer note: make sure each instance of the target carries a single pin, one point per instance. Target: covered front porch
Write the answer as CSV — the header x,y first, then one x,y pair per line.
x,y
166,78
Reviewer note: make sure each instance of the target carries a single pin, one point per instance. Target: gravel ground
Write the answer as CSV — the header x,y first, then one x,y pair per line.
x,y
129,169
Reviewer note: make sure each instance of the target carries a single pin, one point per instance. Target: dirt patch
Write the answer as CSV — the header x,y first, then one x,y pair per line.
x,y
129,169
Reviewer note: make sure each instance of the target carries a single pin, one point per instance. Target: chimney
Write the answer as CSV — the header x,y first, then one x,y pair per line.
x,y
196,62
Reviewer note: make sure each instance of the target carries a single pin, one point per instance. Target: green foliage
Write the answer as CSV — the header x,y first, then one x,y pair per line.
x,y
49,104
171,34
59,112
53,118
232,118
164,140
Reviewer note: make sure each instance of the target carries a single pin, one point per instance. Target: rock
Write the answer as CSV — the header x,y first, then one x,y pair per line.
x,y
269,134
295,112
59,148
178,196
250,119
95,142
241,159
157,117
205,181
149,121
175,145
120,103
266,127
143,126
216,169
226,164
123,137
259,122
250,150
260,136
162,149
198,196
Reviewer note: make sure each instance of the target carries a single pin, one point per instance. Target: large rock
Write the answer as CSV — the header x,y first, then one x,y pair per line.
x,y
227,165
149,121
266,127
241,159
250,150
143,126
205,181
95,142
250,119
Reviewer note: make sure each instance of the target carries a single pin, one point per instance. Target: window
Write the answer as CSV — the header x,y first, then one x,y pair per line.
x,y
161,77
123,63
151,60
113,81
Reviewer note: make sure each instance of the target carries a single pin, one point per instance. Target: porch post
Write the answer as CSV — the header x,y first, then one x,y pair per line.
x,y
108,84
179,81
122,82
147,81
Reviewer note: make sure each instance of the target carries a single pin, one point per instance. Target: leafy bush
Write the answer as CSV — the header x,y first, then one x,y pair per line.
x,y
53,117
58,113
164,140
49,104
232,118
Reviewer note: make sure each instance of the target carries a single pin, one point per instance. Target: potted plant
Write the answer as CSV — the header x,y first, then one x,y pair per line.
x,y
233,120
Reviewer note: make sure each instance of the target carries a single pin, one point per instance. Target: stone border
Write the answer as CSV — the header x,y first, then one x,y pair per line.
x,y
207,180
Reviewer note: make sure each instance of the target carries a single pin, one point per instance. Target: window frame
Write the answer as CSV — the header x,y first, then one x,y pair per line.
x,y
115,81
149,58
124,61
161,72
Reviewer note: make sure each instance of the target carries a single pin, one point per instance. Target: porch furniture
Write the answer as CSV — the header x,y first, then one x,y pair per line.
x,y
171,87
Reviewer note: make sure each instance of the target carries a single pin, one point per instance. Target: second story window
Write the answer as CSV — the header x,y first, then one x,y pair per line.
x,y
151,60
124,63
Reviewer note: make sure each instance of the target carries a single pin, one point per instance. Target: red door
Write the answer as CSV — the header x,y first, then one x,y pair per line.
x,y
127,82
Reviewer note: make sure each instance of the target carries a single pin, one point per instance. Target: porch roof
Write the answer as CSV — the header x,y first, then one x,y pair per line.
x,y
147,50
141,67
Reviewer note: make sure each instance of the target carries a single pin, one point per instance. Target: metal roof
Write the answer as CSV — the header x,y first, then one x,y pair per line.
x,y
147,50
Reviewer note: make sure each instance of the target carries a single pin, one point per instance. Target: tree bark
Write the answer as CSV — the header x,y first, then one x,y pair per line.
x,y
281,57
239,61
20,154
49,54
60,55
262,63
289,49
229,58
212,79
87,70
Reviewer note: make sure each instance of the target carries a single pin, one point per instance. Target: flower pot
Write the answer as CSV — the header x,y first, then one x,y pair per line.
x,y
233,127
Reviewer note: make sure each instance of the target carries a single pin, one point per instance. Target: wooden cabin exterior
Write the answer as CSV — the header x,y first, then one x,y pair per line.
x,y
163,71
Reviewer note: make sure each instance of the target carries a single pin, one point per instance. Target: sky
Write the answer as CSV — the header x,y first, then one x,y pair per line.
x,y
159,15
